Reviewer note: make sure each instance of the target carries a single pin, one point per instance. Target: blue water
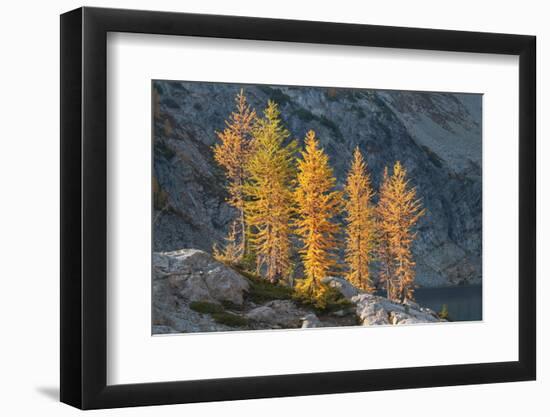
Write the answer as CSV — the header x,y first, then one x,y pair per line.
x,y
464,303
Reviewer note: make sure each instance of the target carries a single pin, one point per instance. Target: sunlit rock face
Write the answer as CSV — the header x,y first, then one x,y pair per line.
x,y
373,310
436,136
191,290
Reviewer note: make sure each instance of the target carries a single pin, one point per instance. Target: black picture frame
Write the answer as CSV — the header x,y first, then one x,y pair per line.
x,y
84,207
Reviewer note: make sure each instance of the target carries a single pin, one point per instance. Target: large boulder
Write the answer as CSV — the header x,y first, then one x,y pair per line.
x,y
195,276
278,314
375,310
188,275
342,285
173,316
372,314
311,321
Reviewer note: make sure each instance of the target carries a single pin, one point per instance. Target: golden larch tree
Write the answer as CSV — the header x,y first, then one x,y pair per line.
x,y
232,153
231,252
268,191
360,223
382,250
398,212
317,203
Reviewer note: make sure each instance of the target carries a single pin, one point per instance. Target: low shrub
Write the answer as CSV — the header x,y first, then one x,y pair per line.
x,y
332,300
262,290
230,319
229,305
206,307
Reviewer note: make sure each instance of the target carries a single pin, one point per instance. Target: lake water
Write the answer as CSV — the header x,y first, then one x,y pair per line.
x,y
463,302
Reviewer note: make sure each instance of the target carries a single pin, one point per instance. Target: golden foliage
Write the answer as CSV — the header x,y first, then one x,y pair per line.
x,y
230,253
232,154
398,211
360,224
383,249
268,205
317,204
272,197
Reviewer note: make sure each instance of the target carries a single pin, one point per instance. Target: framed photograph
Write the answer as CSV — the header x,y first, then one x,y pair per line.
x,y
257,208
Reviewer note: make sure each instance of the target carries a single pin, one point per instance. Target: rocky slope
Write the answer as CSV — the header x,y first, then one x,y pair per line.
x,y
437,136
192,292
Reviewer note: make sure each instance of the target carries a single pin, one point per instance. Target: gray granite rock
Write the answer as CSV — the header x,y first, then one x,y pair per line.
x,y
375,310
196,276
188,275
280,313
342,285
181,277
311,321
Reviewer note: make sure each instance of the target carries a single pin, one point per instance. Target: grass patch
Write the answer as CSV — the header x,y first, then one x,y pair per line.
x,y
206,307
261,291
219,314
332,301
229,305
229,319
